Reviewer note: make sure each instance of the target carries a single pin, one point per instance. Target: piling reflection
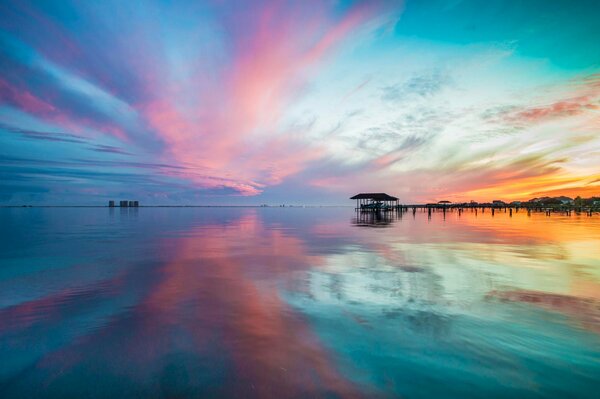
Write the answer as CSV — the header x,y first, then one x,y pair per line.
x,y
297,303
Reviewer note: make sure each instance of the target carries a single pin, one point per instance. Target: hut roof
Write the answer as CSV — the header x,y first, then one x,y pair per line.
x,y
374,196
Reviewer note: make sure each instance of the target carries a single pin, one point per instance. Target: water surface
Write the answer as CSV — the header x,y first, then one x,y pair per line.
x,y
297,302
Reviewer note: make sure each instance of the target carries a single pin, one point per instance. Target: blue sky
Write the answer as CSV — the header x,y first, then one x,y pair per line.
x,y
222,102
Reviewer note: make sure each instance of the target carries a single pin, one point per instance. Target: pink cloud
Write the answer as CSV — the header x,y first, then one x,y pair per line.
x,y
558,109
26,101
586,98
23,99
229,127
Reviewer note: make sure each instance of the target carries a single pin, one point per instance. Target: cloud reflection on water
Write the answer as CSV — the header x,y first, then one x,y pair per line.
x,y
293,303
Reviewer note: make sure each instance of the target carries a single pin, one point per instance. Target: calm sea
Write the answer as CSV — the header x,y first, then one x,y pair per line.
x,y
297,302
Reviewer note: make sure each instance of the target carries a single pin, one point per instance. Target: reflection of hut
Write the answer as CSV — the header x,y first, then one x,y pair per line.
x,y
375,201
374,219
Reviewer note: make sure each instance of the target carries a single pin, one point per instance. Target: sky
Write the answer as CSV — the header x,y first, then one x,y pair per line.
x,y
297,102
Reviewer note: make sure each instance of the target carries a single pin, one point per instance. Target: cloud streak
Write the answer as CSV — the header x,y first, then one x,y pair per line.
x,y
330,98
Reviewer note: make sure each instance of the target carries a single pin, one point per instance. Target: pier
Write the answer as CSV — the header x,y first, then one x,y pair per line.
x,y
565,209
382,202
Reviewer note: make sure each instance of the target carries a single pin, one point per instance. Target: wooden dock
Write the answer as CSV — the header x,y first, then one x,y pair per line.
x,y
382,202
564,209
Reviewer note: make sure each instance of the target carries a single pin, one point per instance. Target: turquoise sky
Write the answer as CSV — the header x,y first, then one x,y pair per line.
x,y
306,102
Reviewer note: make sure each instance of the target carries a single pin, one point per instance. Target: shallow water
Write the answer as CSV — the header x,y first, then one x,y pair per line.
x,y
297,302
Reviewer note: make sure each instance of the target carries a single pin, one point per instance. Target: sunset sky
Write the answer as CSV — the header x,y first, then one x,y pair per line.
x,y
251,102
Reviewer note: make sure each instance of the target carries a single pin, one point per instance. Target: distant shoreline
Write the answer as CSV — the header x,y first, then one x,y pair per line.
x,y
175,206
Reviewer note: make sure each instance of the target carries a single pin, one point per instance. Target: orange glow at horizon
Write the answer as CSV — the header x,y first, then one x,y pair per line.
x,y
547,186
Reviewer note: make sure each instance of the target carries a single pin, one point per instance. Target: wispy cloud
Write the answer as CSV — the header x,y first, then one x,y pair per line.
x,y
330,98
49,136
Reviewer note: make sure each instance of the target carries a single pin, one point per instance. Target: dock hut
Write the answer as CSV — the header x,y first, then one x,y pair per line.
x,y
375,201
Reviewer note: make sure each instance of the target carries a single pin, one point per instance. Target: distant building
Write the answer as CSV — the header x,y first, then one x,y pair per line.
x,y
123,204
136,204
565,200
111,204
540,199
131,204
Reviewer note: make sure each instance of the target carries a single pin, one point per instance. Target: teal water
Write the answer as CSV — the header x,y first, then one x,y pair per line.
x,y
297,302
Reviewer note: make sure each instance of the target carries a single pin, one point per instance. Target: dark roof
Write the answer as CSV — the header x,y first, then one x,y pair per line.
x,y
374,196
